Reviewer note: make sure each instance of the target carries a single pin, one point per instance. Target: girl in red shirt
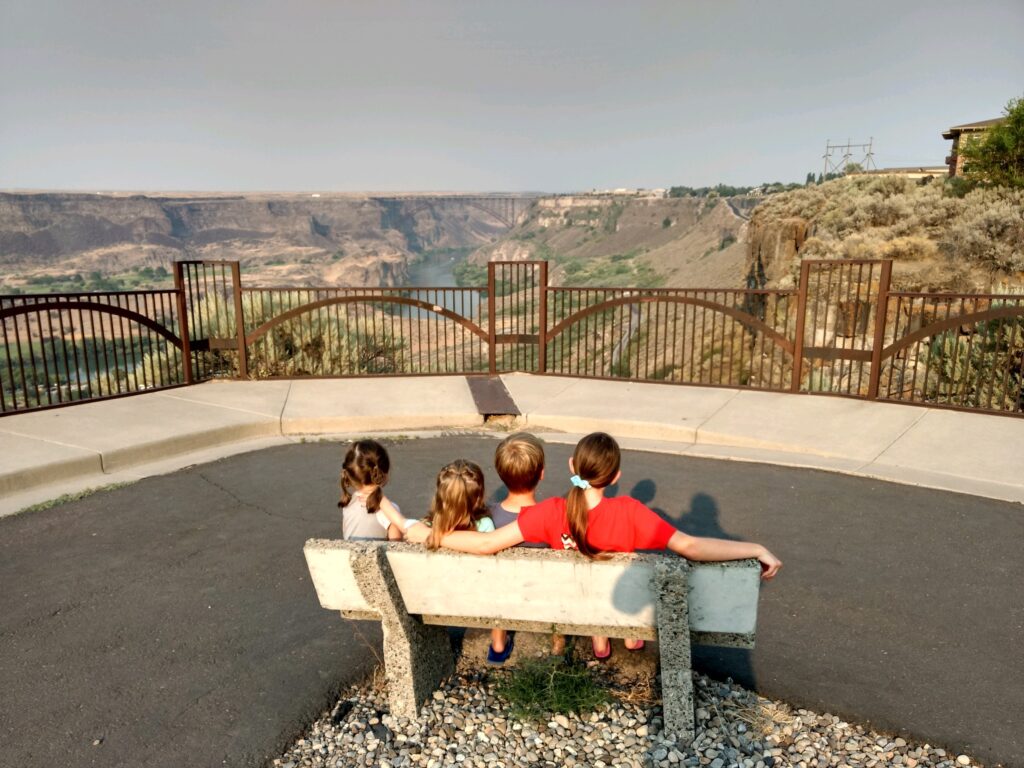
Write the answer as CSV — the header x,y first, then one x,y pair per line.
x,y
587,521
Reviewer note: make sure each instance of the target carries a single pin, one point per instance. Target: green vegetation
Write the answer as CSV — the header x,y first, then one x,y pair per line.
x,y
727,190
727,240
469,275
611,219
621,270
542,686
997,157
896,217
139,279
666,223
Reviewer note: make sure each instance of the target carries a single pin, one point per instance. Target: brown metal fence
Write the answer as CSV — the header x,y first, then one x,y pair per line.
x,y
364,331
841,331
735,338
64,348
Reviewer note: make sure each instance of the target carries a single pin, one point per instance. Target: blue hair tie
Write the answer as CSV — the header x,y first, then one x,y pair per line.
x,y
579,482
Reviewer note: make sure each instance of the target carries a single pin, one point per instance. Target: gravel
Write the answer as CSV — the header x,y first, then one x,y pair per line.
x,y
466,724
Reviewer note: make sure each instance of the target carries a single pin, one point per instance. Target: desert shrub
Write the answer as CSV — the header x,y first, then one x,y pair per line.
x,y
909,248
890,216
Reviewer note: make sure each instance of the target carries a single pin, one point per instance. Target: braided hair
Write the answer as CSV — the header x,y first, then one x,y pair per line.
x,y
366,463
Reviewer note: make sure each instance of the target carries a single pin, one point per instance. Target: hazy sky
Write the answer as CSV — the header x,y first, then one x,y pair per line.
x,y
553,96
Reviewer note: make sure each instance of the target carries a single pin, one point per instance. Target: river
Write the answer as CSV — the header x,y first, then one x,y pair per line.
x,y
437,270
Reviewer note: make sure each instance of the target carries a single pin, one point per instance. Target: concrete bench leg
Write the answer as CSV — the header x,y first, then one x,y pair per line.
x,y
416,657
673,620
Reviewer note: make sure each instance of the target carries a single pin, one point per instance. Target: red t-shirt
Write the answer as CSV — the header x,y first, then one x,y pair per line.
x,y
617,524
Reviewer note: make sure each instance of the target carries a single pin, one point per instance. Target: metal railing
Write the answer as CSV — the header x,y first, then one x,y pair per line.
x,y
841,331
64,348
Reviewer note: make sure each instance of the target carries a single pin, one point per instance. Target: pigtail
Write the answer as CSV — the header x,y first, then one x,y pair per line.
x,y
346,484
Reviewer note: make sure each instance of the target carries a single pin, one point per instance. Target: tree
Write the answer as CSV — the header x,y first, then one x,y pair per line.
x,y
853,168
997,157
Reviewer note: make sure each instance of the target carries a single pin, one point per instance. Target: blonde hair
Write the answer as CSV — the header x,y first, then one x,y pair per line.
x,y
366,463
458,501
596,460
519,460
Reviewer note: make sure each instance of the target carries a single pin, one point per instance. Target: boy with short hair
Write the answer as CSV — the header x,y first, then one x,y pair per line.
x,y
519,460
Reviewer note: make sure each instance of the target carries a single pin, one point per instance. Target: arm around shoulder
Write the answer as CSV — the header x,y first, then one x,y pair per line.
x,y
478,543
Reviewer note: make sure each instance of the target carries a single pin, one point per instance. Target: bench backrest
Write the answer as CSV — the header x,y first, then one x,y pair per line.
x,y
543,589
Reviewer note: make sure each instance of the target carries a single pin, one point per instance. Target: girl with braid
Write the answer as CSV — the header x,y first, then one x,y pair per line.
x,y
364,473
458,505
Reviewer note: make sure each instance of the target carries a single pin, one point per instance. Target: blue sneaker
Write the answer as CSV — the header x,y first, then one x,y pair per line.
x,y
497,659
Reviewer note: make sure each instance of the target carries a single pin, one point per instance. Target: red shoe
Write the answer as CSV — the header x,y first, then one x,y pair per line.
x,y
598,656
636,647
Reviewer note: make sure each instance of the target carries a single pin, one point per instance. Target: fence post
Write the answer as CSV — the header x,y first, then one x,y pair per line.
x,y
801,317
236,287
542,330
881,318
186,344
492,331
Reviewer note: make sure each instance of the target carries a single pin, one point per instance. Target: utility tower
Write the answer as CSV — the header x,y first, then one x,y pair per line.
x,y
838,156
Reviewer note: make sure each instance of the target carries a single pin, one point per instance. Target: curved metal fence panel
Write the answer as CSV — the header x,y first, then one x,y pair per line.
x,y
960,351
735,338
57,349
364,331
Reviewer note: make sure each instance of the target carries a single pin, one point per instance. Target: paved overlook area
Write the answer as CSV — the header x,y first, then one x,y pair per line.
x,y
171,622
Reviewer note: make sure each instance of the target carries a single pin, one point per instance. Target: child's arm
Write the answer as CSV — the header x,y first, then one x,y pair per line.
x,y
704,549
478,543
394,533
410,530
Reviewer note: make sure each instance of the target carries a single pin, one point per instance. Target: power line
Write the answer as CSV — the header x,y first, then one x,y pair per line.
x,y
845,154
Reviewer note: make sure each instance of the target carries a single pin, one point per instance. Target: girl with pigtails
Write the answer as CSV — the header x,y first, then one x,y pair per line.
x,y
588,521
364,473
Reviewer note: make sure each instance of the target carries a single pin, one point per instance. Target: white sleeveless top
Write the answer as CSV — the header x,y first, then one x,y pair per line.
x,y
358,524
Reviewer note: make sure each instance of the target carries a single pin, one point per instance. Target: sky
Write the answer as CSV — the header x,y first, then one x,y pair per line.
x,y
485,96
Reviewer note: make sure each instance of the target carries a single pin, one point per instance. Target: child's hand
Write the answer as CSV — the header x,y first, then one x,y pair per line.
x,y
417,533
770,565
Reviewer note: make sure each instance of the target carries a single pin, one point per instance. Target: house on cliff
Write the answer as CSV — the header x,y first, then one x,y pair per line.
x,y
961,133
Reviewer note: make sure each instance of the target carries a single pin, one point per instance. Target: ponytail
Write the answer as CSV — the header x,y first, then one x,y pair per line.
x,y
578,516
596,462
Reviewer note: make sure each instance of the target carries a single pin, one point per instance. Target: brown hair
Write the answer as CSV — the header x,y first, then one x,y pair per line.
x,y
458,501
519,460
366,463
596,460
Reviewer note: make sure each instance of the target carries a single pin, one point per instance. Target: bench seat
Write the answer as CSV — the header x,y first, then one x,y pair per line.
x,y
415,592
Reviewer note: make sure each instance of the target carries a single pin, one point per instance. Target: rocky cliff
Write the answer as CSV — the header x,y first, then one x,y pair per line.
x,y
280,239
631,241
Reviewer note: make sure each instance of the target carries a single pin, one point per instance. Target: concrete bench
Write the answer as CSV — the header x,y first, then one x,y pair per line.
x,y
415,593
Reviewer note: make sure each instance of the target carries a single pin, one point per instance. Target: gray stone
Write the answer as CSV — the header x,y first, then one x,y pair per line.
x,y
673,620
416,657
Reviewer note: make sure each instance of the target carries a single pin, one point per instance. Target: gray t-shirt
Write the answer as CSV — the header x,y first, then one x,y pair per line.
x,y
502,517
358,524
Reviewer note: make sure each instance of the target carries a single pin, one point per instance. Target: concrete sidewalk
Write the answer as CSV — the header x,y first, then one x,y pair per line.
x,y
49,453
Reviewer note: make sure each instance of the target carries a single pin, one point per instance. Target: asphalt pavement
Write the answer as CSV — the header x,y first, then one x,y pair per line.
x,y
171,622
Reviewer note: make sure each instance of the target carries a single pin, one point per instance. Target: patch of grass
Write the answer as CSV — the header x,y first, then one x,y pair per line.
x,y
76,496
552,684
